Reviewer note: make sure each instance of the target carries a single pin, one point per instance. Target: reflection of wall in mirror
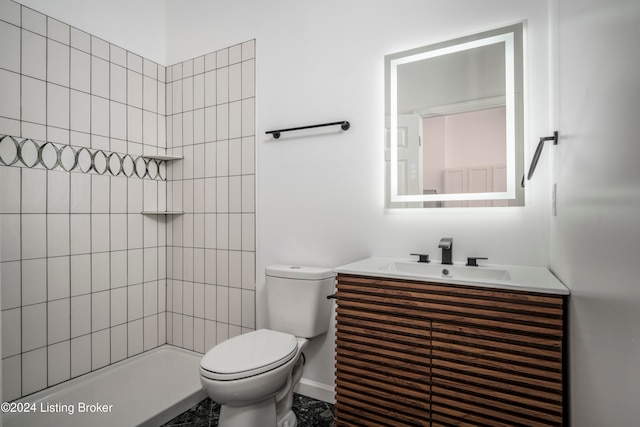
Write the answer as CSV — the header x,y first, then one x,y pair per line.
x,y
464,141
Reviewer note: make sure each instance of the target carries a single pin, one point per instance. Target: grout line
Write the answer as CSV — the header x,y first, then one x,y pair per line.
x,y
46,71
70,209
126,85
91,206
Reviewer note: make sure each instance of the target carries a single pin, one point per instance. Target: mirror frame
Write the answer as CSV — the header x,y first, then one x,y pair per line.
x,y
512,37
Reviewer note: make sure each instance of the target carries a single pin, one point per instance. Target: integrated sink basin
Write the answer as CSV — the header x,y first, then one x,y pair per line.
x,y
515,277
446,271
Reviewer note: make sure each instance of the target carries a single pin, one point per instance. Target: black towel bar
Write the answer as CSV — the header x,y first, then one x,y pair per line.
x,y
343,124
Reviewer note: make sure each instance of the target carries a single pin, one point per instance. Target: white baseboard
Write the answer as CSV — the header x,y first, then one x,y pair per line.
x,y
316,390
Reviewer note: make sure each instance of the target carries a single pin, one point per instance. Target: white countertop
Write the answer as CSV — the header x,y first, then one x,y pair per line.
x,y
519,278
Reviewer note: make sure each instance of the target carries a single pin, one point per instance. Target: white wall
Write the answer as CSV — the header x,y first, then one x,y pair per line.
x,y
595,240
319,194
138,26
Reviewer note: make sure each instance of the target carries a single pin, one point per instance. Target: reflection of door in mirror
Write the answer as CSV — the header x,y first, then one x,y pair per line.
x,y
465,153
409,158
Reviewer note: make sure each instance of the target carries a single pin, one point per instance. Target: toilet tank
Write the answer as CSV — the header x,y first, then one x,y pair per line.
x,y
297,299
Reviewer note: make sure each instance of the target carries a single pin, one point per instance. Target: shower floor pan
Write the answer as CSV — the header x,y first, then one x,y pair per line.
x,y
145,390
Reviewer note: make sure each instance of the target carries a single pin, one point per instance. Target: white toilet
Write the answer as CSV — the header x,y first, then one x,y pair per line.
x,y
253,375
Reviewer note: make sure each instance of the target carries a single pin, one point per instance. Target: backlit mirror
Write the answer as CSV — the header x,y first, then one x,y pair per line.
x,y
454,120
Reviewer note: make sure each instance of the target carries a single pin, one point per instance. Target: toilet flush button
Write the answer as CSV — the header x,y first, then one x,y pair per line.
x,y
295,267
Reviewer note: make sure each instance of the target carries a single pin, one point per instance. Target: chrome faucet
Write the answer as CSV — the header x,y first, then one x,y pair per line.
x,y
446,243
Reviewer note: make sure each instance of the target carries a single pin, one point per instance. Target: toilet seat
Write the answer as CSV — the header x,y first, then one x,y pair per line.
x,y
248,355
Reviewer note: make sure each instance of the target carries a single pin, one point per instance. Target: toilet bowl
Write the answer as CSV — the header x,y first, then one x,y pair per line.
x,y
252,376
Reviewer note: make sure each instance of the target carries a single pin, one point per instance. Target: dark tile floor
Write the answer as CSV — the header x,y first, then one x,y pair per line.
x,y
310,413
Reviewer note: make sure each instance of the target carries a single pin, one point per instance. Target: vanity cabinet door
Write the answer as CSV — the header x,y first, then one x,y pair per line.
x,y
497,359
382,355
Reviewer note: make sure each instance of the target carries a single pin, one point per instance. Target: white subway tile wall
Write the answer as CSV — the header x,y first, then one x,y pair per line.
x,y
211,248
86,279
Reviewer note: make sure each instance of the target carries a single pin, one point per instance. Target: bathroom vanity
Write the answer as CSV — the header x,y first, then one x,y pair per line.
x,y
474,346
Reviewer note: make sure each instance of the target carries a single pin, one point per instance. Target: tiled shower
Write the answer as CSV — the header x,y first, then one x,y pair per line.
x,y
86,279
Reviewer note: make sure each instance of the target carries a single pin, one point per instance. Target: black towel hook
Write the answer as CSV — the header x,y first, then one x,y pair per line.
x,y
538,152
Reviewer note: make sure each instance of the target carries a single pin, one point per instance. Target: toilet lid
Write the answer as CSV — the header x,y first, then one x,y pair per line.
x,y
249,354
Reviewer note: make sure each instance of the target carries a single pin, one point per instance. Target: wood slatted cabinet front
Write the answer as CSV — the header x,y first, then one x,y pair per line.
x,y
426,354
